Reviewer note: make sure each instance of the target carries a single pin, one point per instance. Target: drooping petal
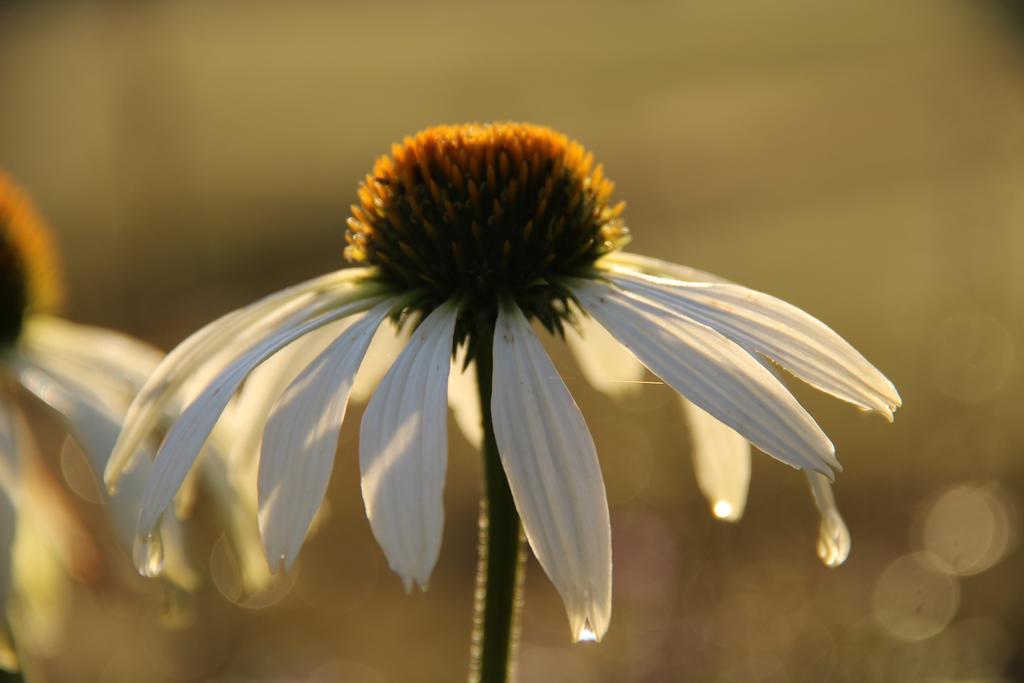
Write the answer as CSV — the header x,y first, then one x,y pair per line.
x,y
714,373
721,460
387,343
235,507
88,412
107,356
178,368
833,536
552,469
464,399
186,437
51,545
403,450
764,324
94,422
10,469
301,438
606,364
260,393
236,329
657,267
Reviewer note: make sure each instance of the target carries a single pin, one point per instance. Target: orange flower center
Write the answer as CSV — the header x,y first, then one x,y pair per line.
x,y
29,271
483,211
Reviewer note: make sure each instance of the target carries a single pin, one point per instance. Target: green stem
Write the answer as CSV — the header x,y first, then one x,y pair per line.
x,y
502,553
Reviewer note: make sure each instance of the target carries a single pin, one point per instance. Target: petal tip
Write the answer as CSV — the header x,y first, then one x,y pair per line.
x,y
588,633
725,511
279,563
148,554
834,541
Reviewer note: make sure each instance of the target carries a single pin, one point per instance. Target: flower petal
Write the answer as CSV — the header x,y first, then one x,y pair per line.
x,y
384,349
403,450
714,373
301,438
721,460
10,469
552,469
92,421
108,356
833,536
186,437
464,399
230,459
94,424
792,338
607,365
237,328
658,267
259,394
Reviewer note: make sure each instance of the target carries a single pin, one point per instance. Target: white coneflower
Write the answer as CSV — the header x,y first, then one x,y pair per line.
x,y
87,376
477,232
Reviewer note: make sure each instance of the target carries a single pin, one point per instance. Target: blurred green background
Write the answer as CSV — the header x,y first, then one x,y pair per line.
x,y
862,159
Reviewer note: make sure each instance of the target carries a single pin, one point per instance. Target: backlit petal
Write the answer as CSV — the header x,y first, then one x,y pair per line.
x,y
464,398
551,464
403,450
833,536
764,324
237,328
607,364
301,438
721,460
714,373
186,437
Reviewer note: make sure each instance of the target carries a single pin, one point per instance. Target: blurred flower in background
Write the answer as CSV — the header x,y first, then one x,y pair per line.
x,y
87,376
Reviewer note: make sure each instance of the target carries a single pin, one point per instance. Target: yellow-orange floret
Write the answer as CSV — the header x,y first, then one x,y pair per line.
x,y
29,265
483,207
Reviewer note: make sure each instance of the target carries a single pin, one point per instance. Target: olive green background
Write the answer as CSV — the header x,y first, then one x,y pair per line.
x,y
862,159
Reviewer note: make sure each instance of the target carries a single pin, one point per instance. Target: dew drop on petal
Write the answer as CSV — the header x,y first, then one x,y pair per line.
x,y
586,634
148,555
833,540
722,509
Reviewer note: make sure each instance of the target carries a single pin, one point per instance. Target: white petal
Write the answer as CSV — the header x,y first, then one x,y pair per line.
x,y
761,323
833,536
236,510
186,437
658,267
236,328
607,365
91,419
714,373
301,439
10,470
94,424
721,459
464,398
403,450
45,548
552,469
261,391
384,349
110,355
230,459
